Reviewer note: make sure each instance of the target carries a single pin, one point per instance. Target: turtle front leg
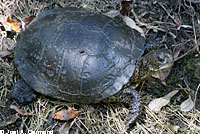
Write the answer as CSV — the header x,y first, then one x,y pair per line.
x,y
23,93
132,98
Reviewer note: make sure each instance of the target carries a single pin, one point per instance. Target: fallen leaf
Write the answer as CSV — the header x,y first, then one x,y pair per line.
x,y
4,23
184,26
5,53
62,4
112,13
26,21
9,120
10,20
173,128
187,105
14,24
20,111
126,6
162,75
131,23
66,114
7,46
156,104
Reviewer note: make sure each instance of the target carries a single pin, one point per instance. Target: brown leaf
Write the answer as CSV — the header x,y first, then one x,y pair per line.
x,y
20,111
173,128
14,24
66,114
9,120
126,6
26,21
10,20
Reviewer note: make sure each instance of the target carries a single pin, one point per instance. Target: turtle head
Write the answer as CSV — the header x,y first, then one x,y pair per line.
x,y
158,60
153,62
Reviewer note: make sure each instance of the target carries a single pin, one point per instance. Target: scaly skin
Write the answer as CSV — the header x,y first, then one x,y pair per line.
x,y
151,63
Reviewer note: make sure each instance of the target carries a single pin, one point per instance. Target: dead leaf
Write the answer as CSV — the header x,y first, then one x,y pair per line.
x,y
112,13
26,21
162,75
9,24
131,23
7,46
4,23
156,104
187,105
173,128
15,26
9,120
20,111
5,53
66,114
126,6
62,4
184,26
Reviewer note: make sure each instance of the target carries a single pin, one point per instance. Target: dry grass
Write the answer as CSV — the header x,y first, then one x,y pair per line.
x,y
96,119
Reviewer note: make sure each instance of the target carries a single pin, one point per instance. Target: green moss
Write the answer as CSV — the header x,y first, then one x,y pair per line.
x,y
193,66
188,68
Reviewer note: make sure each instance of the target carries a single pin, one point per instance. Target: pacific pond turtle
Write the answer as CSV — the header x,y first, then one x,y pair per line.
x,y
82,57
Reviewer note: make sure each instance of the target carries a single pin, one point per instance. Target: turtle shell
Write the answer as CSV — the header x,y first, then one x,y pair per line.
x,y
77,56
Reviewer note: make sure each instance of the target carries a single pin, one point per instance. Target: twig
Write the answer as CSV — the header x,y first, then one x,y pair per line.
x,y
195,97
19,111
187,53
166,11
149,26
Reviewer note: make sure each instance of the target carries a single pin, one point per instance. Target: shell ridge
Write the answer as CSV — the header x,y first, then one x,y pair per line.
x,y
82,71
62,65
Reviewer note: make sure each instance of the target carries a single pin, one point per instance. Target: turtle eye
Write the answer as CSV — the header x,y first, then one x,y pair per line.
x,y
161,59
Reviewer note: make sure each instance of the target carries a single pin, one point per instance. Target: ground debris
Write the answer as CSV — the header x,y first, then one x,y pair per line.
x,y
9,120
187,105
66,114
26,21
156,104
20,111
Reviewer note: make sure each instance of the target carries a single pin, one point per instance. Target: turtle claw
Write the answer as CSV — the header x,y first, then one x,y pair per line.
x,y
23,93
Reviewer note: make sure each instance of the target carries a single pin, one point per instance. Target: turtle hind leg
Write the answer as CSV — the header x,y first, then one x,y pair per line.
x,y
23,93
132,98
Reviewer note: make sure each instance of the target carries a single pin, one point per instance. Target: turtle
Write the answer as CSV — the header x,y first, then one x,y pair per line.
x,y
79,56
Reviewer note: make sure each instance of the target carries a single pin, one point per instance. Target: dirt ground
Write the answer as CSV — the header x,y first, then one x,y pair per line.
x,y
166,23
